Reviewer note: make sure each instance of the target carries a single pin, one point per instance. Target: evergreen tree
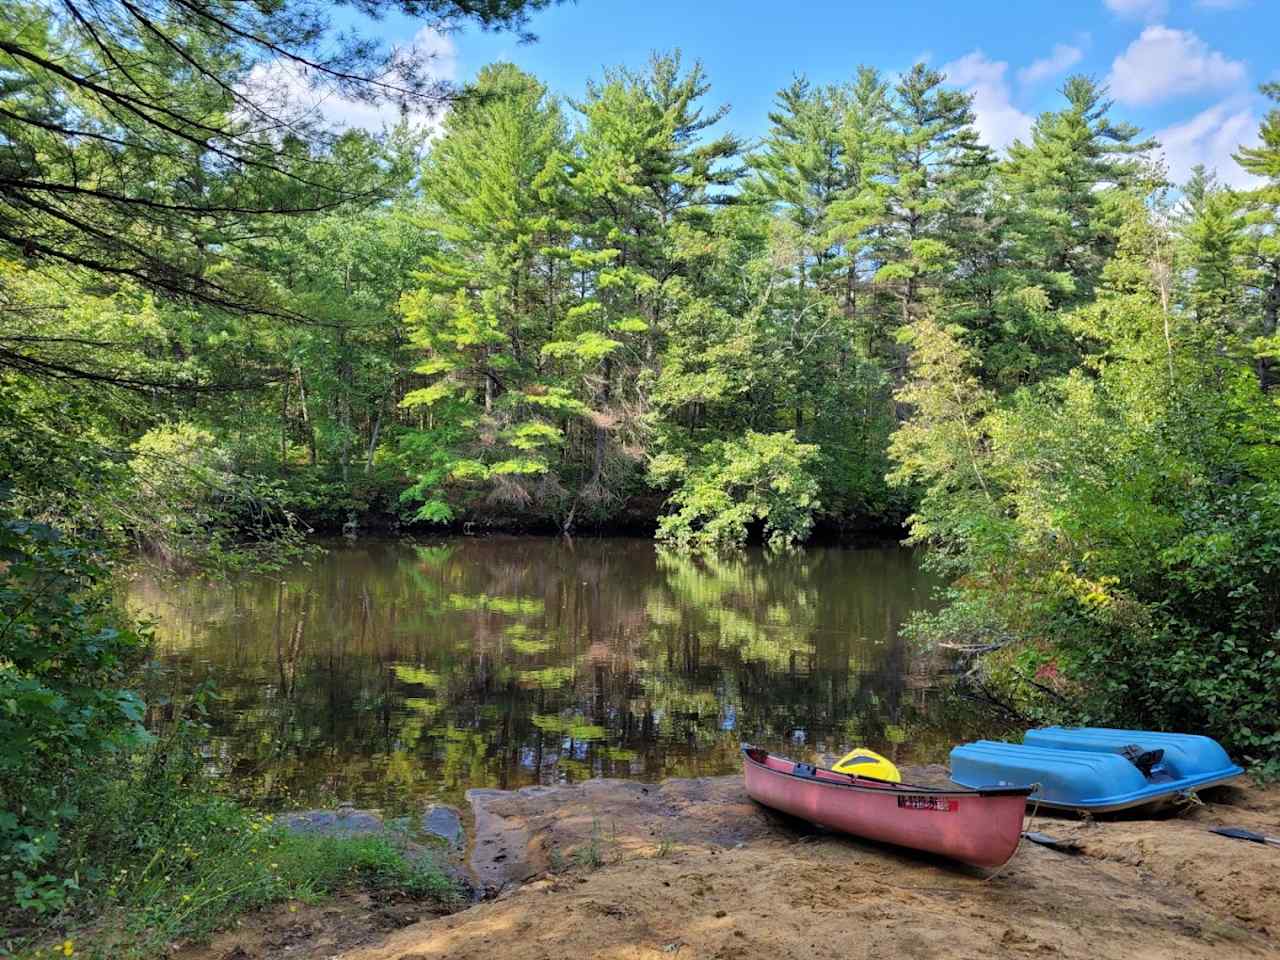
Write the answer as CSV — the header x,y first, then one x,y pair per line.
x,y
1212,235
1263,220
935,175
488,298
799,171
1064,230
856,216
1060,194
642,189
818,173
142,138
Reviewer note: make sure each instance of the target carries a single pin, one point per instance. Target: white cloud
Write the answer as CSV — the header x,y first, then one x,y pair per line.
x,y
1139,9
1210,138
287,83
1163,63
1061,58
998,120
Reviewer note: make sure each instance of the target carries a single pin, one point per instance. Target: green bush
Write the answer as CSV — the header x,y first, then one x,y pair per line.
x,y
765,478
65,657
1110,532
189,505
1114,552
162,856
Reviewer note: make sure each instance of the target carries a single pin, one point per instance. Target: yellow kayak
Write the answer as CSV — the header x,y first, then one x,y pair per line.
x,y
862,762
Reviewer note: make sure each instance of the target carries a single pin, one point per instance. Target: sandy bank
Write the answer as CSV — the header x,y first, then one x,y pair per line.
x,y
692,868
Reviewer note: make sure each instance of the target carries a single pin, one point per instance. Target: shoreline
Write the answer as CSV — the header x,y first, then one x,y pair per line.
x,y
613,868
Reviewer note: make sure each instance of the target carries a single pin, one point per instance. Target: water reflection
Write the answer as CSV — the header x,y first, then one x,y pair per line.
x,y
387,672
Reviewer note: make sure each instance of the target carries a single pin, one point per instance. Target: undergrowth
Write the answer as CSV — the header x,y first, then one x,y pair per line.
x,y
159,856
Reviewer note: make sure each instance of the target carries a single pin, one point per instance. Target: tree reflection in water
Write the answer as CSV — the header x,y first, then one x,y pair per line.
x,y
386,673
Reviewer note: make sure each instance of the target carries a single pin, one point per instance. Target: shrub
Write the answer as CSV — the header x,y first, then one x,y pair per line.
x,y
188,505
161,855
164,857
65,656
731,484
1115,557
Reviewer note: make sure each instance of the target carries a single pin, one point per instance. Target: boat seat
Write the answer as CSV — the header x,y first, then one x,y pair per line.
x,y
806,770
1144,760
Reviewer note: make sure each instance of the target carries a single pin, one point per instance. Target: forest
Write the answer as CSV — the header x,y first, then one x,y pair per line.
x,y
225,327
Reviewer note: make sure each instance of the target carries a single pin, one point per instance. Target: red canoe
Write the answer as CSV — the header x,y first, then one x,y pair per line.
x,y
980,827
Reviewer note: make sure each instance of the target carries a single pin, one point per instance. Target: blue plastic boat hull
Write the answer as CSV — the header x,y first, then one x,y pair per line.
x,y
1083,768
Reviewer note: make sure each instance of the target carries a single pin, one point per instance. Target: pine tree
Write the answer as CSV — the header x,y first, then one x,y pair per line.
x,y
1263,220
1063,230
142,140
488,299
799,170
856,214
936,171
818,174
1060,193
820,168
642,187
1212,239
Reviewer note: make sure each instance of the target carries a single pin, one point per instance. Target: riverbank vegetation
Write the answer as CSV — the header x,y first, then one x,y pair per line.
x,y
223,325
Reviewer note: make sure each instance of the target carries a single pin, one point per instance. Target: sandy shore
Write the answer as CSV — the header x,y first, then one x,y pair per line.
x,y
692,868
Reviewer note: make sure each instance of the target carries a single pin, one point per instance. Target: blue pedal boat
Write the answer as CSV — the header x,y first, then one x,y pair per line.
x,y
1095,769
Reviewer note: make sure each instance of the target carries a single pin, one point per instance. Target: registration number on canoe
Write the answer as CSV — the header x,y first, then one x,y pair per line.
x,y
916,802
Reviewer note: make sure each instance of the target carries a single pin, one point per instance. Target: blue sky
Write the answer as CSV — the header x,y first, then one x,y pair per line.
x,y
1186,70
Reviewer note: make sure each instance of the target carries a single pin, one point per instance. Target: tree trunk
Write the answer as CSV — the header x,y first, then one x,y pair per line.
x,y
1270,317
306,416
373,439
601,431
850,294
344,403
284,423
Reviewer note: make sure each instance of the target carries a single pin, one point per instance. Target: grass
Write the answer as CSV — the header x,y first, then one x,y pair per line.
x,y
161,857
592,855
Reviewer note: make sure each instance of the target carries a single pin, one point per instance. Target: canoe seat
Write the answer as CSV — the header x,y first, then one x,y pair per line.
x,y
1144,760
806,770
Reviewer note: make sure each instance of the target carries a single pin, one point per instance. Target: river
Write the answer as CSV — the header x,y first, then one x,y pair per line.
x,y
391,673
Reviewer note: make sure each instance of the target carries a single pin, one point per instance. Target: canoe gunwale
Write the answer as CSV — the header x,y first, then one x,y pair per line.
x,y
884,786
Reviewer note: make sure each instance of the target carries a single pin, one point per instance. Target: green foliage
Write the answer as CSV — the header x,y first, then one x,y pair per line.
x,y
65,658
730,485
574,311
98,819
187,506
160,856
1109,527
485,310
152,146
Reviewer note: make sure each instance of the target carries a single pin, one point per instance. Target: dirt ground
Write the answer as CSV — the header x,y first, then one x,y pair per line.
x,y
694,869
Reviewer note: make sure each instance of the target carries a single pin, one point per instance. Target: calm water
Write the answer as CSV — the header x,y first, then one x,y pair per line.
x,y
390,673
